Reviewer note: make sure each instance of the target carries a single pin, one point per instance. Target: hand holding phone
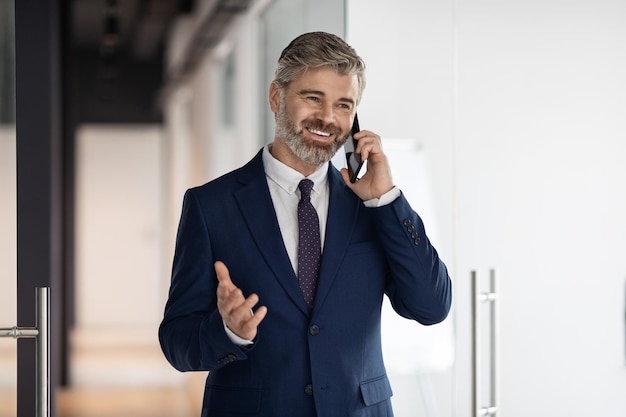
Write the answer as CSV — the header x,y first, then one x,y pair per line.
x,y
353,159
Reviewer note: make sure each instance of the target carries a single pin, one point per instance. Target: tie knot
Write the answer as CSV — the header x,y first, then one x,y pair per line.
x,y
305,186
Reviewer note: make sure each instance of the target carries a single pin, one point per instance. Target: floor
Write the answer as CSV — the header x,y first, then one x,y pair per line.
x,y
113,380
144,402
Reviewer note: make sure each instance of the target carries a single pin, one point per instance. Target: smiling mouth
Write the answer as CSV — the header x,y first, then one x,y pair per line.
x,y
319,132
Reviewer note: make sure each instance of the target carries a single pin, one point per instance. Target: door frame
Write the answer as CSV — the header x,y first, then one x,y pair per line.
x,y
44,188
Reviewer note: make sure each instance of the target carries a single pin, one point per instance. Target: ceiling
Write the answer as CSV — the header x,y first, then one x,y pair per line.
x,y
139,26
114,60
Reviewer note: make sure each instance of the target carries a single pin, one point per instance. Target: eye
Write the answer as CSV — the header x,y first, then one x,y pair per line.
x,y
345,106
313,99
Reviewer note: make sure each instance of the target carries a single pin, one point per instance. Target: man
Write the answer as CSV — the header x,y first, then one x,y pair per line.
x,y
313,348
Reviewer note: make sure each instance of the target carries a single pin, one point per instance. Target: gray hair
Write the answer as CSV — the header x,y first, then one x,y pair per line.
x,y
318,49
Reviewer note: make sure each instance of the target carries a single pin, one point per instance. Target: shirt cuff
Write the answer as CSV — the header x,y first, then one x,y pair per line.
x,y
384,199
236,339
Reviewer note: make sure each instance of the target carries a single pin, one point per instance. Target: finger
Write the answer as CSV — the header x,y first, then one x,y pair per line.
x,y
222,272
256,319
365,152
253,318
243,320
228,297
245,311
242,308
366,144
250,302
346,177
360,136
248,329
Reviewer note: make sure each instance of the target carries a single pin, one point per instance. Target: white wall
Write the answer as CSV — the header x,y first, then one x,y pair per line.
x,y
119,286
117,204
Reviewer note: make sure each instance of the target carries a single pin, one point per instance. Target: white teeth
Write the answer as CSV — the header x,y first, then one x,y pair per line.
x,y
317,132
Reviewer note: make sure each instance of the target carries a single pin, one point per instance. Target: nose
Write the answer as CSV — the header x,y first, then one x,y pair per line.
x,y
326,113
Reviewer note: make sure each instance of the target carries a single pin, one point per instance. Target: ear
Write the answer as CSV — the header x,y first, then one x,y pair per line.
x,y
274,97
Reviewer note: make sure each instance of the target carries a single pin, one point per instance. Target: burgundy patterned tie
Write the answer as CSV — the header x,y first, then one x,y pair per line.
x,y
309,244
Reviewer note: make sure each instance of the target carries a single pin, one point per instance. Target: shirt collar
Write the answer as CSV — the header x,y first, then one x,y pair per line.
x,y
288,178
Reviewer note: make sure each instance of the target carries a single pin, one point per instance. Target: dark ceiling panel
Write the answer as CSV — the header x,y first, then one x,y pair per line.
x,y
116,54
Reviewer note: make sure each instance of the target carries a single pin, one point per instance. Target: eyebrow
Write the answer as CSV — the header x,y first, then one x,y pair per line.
x,y
321,93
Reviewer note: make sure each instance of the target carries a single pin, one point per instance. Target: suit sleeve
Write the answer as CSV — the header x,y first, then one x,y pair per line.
x,y
192,334
418,286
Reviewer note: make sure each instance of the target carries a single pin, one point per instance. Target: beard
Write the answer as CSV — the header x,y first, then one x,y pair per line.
x,y
314,153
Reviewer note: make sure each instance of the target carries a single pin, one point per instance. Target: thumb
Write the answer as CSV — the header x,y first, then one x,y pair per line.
x,y
346,177
223,276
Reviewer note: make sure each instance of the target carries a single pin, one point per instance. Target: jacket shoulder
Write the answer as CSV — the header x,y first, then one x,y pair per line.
x,y
228,181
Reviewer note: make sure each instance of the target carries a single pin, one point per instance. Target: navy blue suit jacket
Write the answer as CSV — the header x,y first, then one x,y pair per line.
x,y
324,363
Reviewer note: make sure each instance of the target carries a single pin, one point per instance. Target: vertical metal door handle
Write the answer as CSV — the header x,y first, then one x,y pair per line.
x,y
490,297
41,333
43,352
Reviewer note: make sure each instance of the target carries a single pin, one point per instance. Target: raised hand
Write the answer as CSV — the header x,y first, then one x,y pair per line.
x,y
377,179
236,311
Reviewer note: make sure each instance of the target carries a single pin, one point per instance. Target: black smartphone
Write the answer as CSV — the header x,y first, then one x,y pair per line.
x,y
352,158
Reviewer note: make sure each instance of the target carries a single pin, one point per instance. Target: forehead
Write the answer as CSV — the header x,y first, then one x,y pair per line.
x,y
326,81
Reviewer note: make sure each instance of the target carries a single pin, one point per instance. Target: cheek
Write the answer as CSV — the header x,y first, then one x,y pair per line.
x,y
345,125
302,115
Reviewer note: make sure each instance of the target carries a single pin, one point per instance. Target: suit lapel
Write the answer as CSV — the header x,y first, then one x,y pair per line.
x,y
256,205
342,213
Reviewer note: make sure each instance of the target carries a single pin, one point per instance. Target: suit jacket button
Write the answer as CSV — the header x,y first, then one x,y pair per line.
x,y
231,357
314,330
308,390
